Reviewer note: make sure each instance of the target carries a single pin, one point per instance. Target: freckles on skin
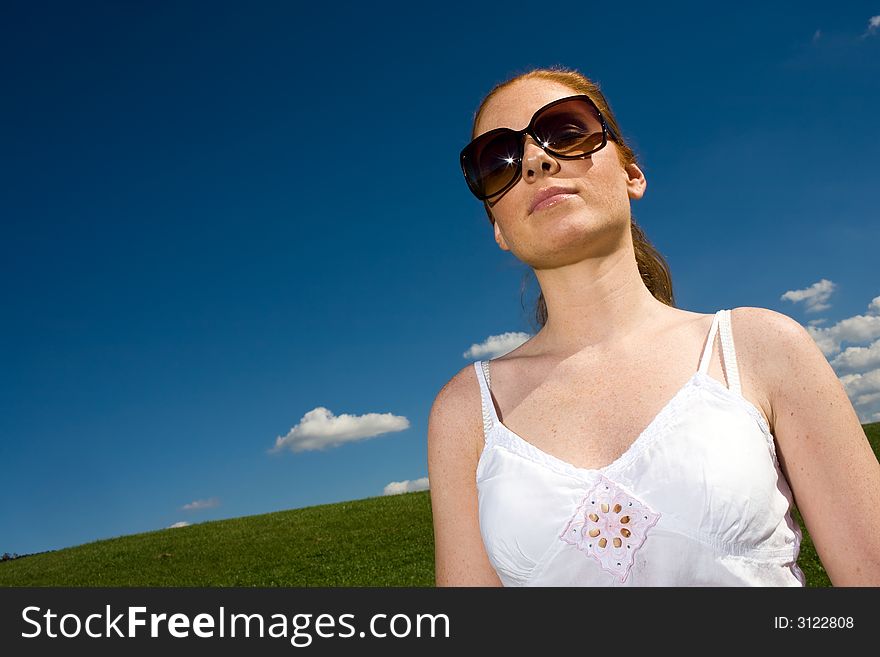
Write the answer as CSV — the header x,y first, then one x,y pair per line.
x,y
563,239
600,180
602,201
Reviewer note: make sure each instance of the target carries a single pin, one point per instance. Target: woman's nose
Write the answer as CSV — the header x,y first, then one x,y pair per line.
x,y
536,159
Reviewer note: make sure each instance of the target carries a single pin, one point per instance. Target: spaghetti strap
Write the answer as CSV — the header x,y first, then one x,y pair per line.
x,y
728,353
488,406
710,341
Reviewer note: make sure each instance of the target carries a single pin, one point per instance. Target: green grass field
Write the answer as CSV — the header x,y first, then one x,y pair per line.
x,y
378,541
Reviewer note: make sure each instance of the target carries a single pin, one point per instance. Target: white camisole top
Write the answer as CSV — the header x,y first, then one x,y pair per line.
x,y
698,499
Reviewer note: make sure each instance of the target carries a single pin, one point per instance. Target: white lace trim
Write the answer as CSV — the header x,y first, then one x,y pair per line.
x,y
499,434
496,433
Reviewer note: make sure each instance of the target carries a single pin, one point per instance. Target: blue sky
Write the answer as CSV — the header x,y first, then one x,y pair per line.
x,y
225,225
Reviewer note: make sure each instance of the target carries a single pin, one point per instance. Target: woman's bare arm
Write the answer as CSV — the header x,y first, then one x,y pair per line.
x,y
455,439
822,449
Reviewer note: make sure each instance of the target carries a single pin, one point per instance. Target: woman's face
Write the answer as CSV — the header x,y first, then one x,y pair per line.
x,y
598,210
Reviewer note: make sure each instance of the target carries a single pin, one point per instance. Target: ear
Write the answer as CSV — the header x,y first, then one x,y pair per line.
x,y
499,237
635,181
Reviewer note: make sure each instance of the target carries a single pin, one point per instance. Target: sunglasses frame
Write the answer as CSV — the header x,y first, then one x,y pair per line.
x,y
530,130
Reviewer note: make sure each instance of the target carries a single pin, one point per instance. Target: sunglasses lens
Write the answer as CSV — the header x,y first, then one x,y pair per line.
x,y
491,162
572,128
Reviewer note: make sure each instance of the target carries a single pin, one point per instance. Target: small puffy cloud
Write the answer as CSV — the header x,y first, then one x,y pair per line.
x,y
198,505
873,24
496,345
406,486
182,523
319,429
813,297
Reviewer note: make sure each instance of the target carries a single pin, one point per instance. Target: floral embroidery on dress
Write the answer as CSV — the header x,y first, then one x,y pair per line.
x,y
610,525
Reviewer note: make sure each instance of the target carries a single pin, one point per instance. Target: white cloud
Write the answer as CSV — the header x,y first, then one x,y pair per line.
x,y
864,393
869,398
814,297
182,523
858,359
817,35
319,429
496,345
859,363
856,329
407,486
198,505
873,24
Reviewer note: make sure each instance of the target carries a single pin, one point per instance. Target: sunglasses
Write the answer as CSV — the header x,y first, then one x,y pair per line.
x,y
570,128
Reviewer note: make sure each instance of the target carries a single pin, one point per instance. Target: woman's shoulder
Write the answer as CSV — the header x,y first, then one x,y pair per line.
x,y
770,347
763,333
456,412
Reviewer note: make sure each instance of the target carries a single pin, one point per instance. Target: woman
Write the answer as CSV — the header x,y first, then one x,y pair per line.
x,y
629,442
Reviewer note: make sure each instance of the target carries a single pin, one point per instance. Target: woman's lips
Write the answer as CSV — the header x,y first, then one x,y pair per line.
x,y
552,200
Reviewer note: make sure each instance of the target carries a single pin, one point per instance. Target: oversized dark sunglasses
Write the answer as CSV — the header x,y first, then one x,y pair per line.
x,y
570,128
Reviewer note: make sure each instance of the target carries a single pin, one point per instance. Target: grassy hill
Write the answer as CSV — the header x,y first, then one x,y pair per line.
x,y
378,541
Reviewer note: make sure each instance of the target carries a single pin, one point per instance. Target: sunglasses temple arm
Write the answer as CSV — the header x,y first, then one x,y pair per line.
x,y
611,131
